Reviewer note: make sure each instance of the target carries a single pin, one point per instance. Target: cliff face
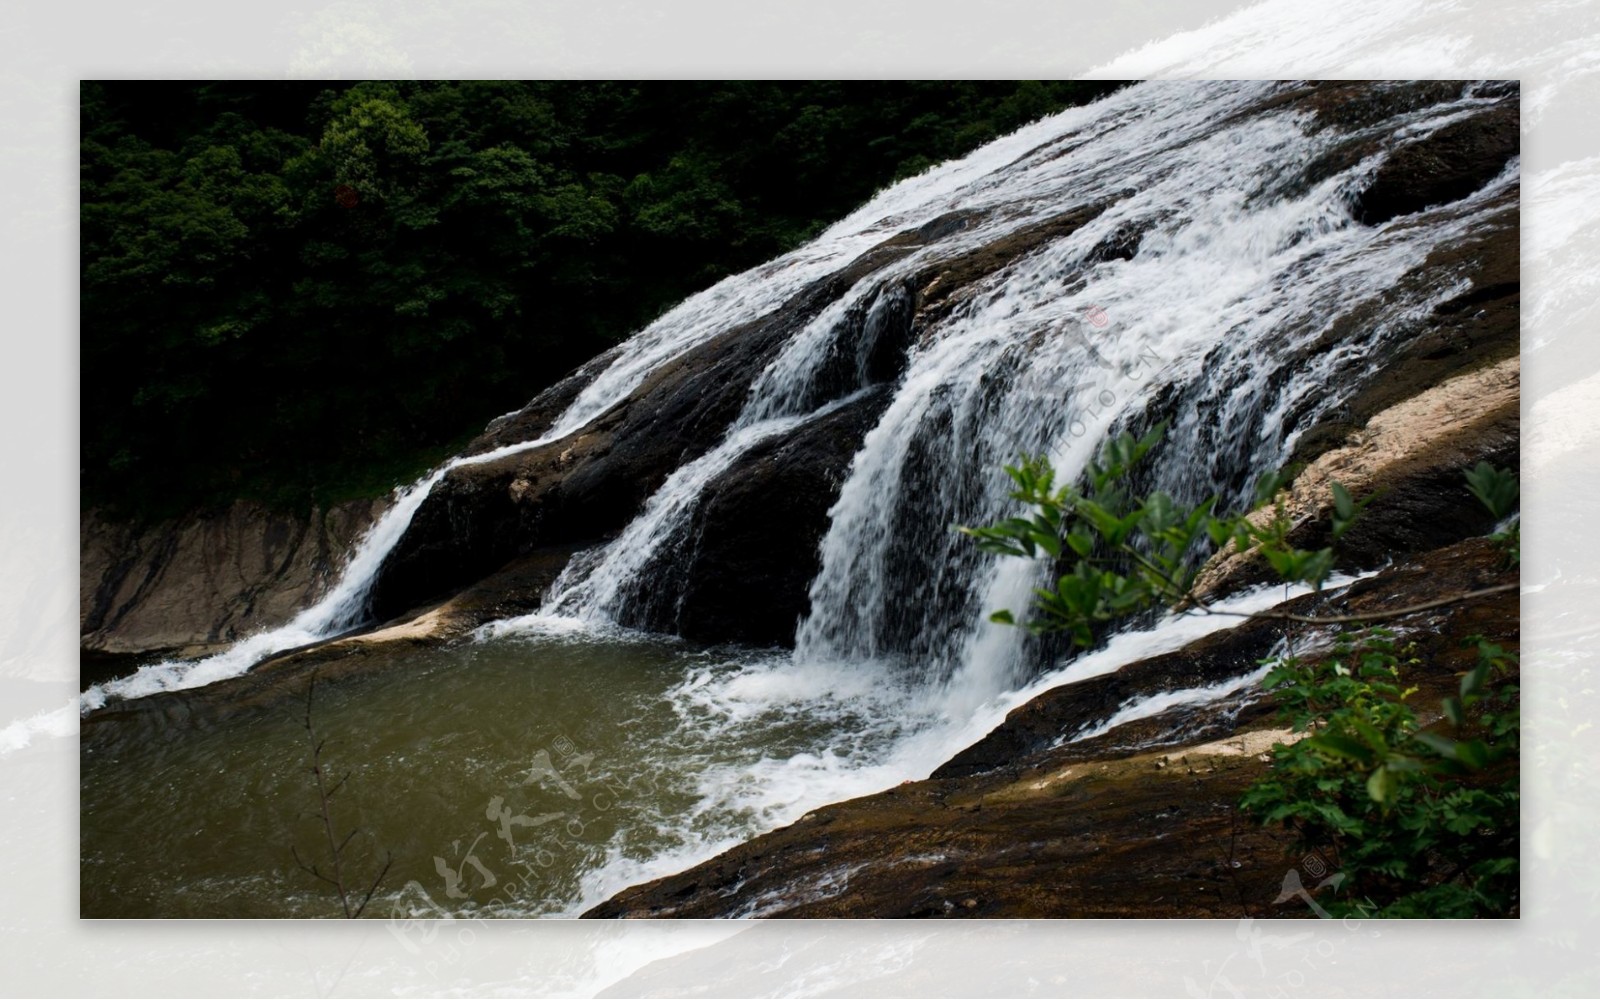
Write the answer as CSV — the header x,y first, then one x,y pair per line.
x,y
192,584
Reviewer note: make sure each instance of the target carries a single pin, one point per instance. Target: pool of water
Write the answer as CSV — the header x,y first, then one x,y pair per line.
x,y
538,768
521,775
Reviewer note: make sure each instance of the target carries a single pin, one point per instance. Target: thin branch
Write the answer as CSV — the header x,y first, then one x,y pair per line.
x,y
336,847
310,869
1372,616
388,859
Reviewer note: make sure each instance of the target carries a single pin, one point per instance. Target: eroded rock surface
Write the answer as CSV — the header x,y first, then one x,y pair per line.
x,y
1410,459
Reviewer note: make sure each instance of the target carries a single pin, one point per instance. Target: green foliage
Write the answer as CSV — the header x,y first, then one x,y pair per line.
x,y
1419,820
1498,491
1125,554
289,288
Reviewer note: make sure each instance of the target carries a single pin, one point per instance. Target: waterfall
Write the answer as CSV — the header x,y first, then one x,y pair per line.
x,y
1210,280
1191,254
737,298
1225,323
1215,288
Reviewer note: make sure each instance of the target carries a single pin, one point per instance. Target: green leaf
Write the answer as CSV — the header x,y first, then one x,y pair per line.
x,y
1381,786
1473,753
1337,745
1497,489
1473,680
1370,734
1442,745
1343,506
1268,485
1452,711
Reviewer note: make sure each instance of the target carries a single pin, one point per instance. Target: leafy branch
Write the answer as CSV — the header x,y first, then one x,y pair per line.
x,y
1423,820
1129,554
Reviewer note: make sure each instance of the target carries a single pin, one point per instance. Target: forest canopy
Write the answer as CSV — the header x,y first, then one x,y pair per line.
x,y
303,292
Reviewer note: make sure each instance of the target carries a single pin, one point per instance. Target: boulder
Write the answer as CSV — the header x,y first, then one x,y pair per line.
x,y
1443,166
755,536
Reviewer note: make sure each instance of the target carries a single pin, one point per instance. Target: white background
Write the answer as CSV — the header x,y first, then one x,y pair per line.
x,y
1554,47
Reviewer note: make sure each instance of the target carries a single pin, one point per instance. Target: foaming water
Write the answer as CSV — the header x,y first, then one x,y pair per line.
x,y
877,727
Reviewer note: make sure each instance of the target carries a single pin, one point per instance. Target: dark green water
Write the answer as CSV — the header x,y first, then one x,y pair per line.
x,y
512,777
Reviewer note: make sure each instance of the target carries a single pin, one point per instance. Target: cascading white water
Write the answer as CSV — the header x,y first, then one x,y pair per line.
x,y
1232,280
1224,324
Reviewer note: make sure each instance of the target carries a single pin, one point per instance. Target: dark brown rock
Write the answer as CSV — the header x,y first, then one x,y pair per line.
x,y
1095,829
534,419
754,538
1444,166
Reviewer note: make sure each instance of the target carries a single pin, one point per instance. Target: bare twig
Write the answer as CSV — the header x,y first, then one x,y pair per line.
x,y
1370,616
336,846
1186,599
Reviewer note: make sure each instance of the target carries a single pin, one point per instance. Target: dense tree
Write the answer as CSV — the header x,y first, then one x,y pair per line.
x,y
303,290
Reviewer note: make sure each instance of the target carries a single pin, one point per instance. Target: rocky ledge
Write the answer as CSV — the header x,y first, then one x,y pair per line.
x,y
191,585
1140,821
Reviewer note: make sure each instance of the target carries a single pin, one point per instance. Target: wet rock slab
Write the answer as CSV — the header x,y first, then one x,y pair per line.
x,y
1138,822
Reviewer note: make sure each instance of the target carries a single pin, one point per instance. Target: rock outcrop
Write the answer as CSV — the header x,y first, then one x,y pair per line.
x,y
1138,822
1447,164
750,550
1409,460
193,584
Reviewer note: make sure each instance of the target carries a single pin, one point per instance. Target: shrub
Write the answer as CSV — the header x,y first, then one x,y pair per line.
x,y
1420,820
